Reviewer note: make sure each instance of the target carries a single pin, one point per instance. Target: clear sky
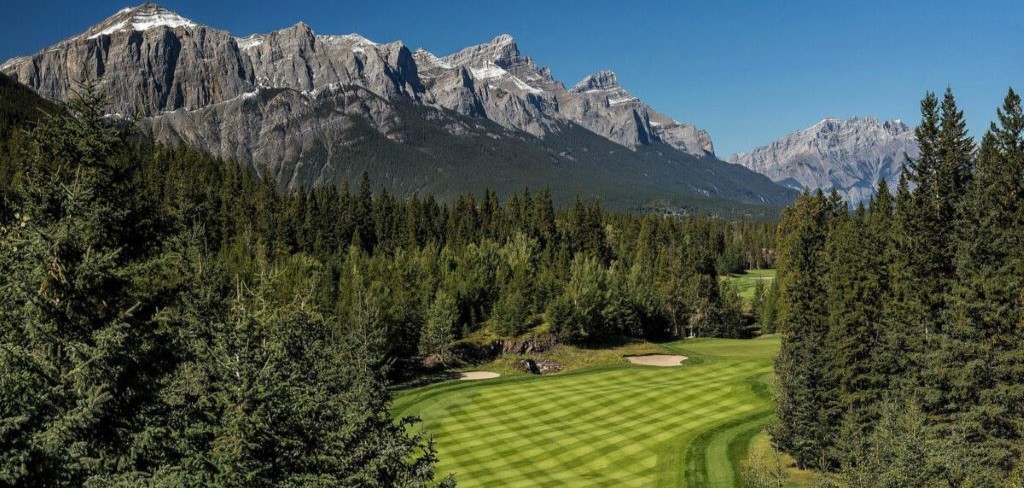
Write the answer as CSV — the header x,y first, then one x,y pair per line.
x,y
747,71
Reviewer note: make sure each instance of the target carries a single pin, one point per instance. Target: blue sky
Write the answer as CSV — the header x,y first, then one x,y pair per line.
x,y
747,71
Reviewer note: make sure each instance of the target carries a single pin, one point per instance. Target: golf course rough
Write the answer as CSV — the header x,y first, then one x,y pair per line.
x,y
617,426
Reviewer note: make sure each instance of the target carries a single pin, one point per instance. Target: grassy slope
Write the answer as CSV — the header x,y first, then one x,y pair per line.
x,y
746,283
796,477
617,425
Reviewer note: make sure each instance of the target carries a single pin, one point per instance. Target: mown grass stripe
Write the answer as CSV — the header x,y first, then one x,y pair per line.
x,y
496,407
616,426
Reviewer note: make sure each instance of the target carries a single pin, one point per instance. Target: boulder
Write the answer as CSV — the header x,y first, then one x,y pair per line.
x,y
540,366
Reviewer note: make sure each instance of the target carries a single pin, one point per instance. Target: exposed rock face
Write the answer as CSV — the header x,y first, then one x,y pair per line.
x,y
600,104
152,61
296,58
312,109
529,344
288,134
848,155
149,60
493,80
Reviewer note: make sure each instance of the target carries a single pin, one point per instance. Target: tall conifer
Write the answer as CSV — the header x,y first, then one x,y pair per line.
x,y
804,387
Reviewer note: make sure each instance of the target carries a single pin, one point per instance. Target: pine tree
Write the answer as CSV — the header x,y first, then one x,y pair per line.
x,y
766,307
80,349
923,250
576,315
902,339
804,394
939,213
514,309
856,291
984,348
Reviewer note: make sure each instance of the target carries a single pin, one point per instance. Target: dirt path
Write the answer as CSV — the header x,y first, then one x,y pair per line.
x,y
657,360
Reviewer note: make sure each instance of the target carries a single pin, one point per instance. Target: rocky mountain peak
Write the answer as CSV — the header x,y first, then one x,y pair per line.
x,y
501,51
300,27
428,61
859,127
895,125
141,18
849,155
602,80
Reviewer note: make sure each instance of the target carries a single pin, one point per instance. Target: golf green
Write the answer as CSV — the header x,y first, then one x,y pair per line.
x,y
622,425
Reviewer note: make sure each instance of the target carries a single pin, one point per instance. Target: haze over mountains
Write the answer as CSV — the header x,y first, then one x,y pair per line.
x,y
310,109
848,155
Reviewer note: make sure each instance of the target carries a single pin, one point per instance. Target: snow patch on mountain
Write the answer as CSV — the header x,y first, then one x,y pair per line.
x,y
621,99
487,72
250,42
428,60
142,18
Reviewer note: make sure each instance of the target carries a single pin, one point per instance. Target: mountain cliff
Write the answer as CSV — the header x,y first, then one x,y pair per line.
x,y
310,109
848,155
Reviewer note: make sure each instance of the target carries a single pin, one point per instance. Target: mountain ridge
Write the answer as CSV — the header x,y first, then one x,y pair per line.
x,y
849,155
243,98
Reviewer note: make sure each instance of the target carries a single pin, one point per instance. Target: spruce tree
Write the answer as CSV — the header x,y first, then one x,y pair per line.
x,y
983,353
81,350
922,263
804,394
856,290
939,216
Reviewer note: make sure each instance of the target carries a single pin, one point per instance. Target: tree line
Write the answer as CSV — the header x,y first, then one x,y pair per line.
x,y
902,362
171,319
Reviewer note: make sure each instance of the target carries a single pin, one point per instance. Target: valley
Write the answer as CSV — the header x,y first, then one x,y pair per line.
x,y
238,250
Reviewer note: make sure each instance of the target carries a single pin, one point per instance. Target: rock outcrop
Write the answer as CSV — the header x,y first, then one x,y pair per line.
x,y
529,344
297,58
600,104
540,366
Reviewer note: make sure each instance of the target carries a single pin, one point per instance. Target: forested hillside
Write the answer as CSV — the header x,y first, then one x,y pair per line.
x,y
173,319
902,362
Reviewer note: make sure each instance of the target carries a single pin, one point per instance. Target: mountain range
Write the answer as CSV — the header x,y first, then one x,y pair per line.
x,y
847,155
309,109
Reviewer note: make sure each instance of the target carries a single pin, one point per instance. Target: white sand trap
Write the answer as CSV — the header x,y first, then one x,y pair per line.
x,y
478,375
657,360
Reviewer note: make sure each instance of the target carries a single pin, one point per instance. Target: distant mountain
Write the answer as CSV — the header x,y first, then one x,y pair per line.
x,y
316,109
848,155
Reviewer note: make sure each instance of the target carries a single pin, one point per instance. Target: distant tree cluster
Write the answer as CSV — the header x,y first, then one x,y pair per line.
x,y
902,362
170,319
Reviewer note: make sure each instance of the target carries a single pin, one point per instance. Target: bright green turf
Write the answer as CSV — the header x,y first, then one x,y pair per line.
x,y
615,426
746,283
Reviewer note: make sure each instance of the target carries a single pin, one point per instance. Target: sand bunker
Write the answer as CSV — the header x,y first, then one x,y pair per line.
x,y
657,360
478,375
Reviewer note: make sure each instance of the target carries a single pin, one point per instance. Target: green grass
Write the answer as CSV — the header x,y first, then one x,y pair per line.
x,y
795,477
618,425
746,283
